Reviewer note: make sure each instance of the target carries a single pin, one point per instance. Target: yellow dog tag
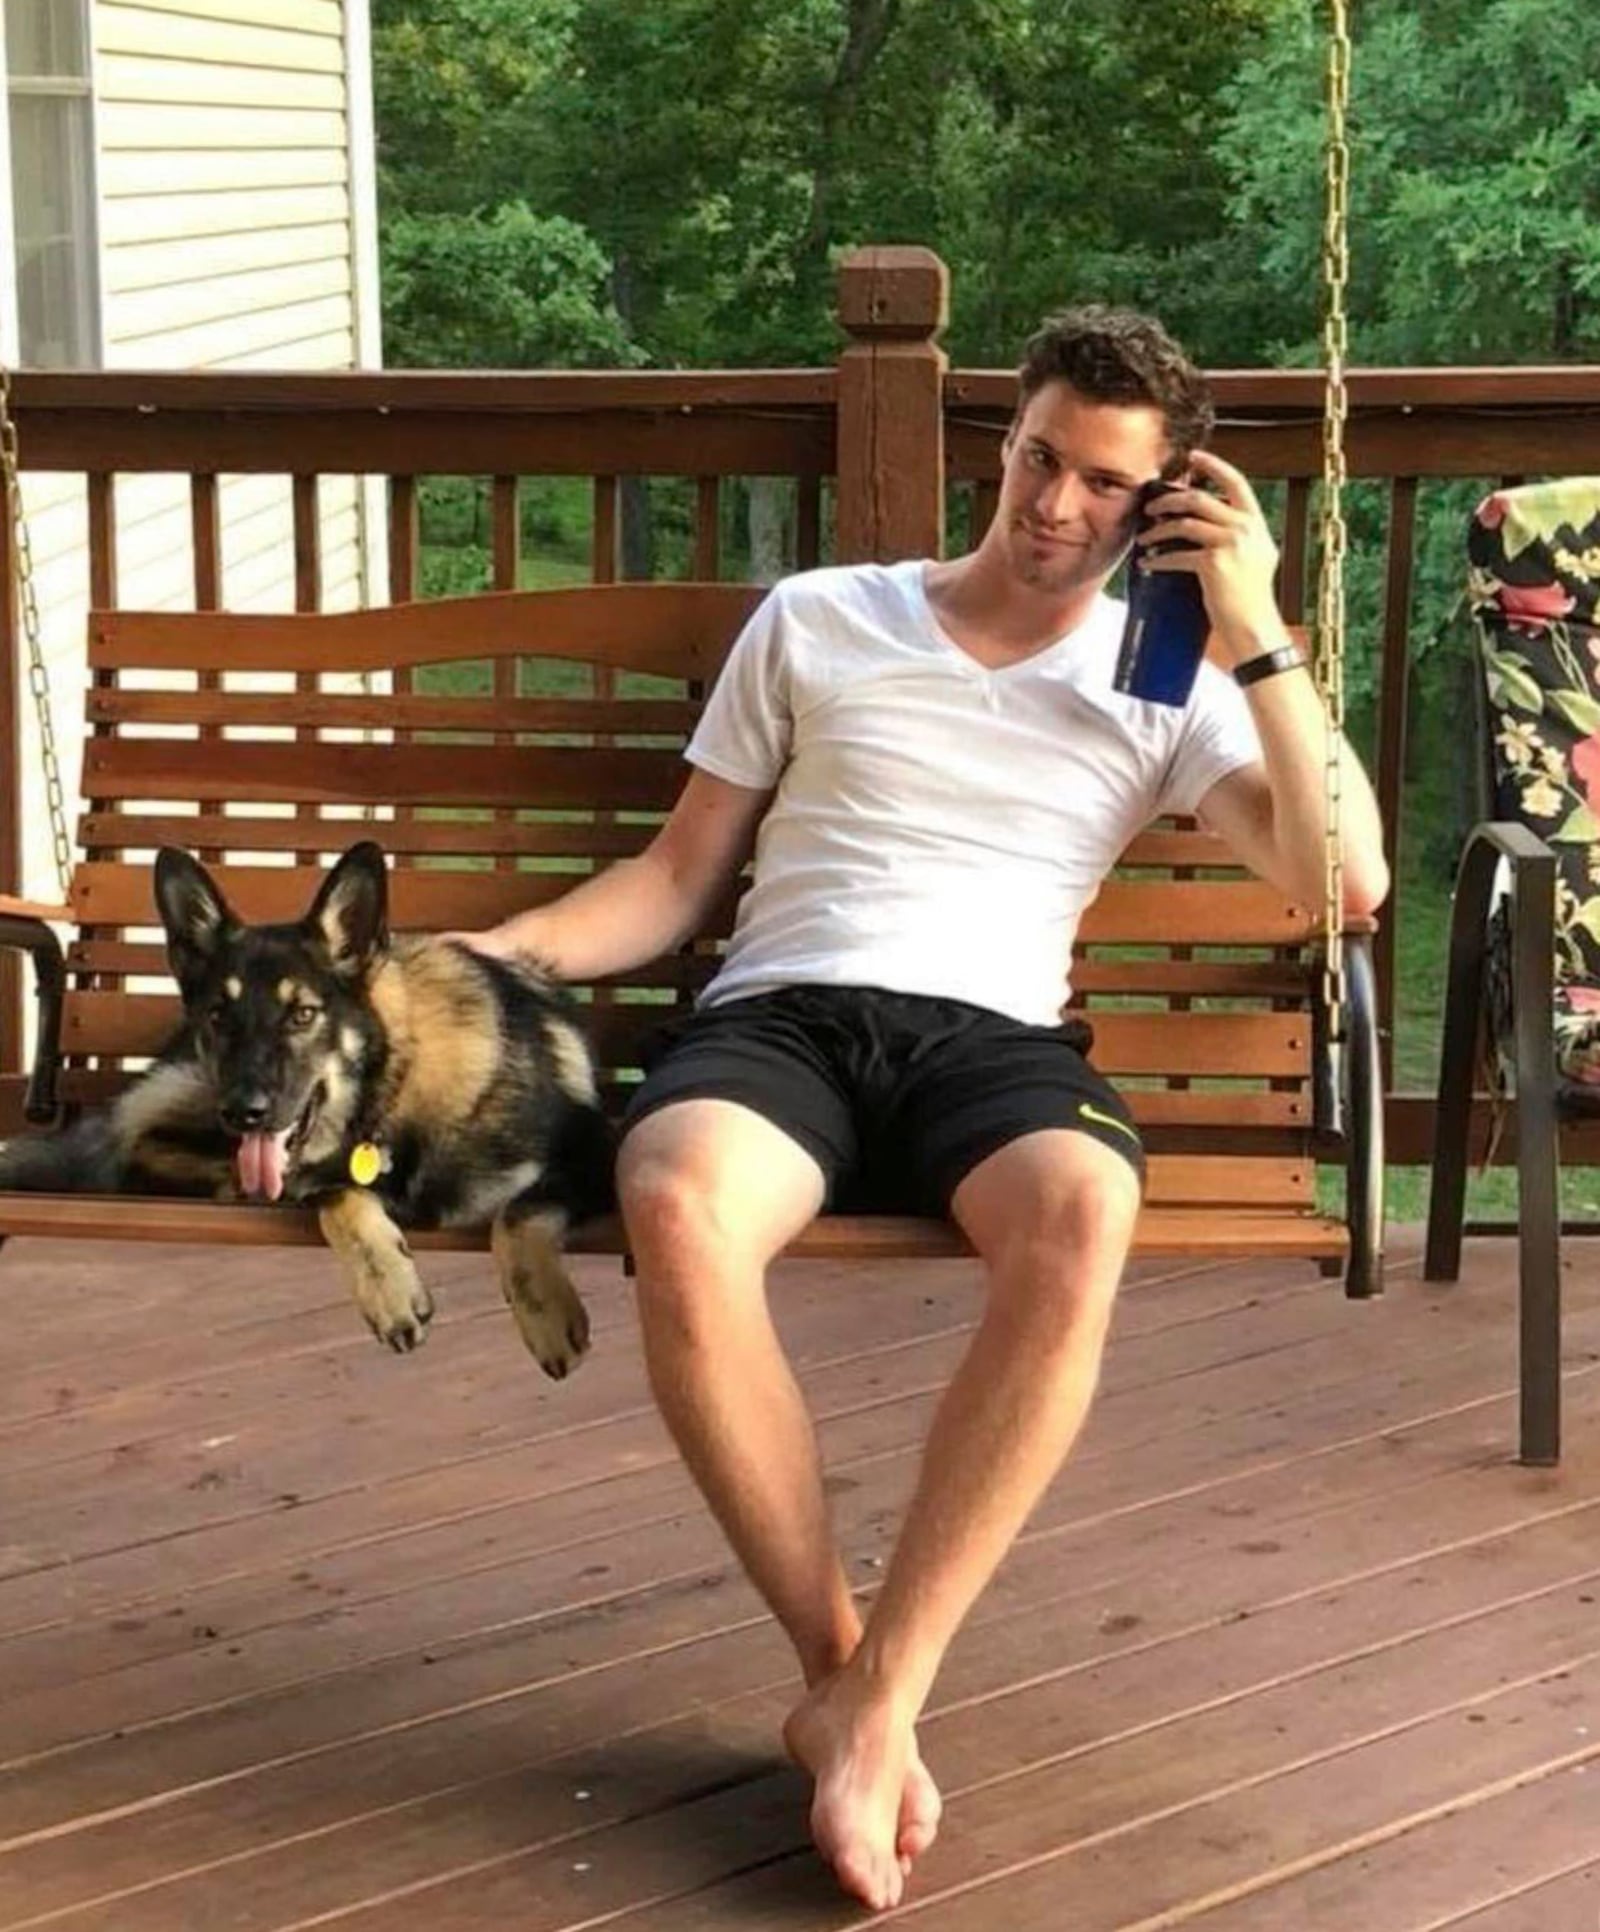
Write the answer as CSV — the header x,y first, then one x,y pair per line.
x,y
366,1163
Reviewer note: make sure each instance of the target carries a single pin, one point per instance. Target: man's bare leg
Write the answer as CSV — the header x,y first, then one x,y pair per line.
x,y
711,1192
1052,1215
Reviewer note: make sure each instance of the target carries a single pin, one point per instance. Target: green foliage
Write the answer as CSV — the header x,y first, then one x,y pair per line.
x,y
721,154
454,85
452,570
696,166
506,290
1475,193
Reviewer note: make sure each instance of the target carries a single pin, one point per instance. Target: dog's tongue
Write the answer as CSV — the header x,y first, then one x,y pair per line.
x,y
261,1163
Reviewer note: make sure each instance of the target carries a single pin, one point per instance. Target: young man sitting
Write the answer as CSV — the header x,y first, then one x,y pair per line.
x,y
935,774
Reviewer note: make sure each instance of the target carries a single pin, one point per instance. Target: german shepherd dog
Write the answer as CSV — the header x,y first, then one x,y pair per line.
x,y
390,1083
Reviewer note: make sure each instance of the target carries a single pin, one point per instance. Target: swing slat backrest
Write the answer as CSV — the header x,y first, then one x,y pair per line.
x,y
269,743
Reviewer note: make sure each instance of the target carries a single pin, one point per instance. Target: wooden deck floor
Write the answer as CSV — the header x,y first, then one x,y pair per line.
x,y
296,1634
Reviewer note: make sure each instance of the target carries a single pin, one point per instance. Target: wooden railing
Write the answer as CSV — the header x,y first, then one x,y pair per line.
x,y
870,447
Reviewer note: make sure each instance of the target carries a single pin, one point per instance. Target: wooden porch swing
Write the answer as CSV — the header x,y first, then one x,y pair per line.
x,y
1243,1028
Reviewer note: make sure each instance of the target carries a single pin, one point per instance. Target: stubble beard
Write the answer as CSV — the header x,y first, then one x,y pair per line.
x,y
1056,573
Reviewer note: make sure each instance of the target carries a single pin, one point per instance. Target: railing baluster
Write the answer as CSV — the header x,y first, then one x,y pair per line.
x,y
507,562
402,588
205,527
102,540
607,493
808,523
205,530
307,597
985,501
506,533
1393,701
707,529
402,539
603,556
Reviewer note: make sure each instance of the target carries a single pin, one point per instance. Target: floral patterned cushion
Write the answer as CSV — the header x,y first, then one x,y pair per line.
x,y
1534,588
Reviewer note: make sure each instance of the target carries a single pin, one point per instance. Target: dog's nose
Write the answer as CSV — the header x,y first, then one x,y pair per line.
x,y
245,1113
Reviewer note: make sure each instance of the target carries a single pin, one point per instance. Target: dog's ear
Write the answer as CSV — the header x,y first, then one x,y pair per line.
x,y
194,913
350,915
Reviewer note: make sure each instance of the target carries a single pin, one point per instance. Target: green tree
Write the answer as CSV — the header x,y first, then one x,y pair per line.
x,y
1475,180
1066,154
723,153
504,290
1475,218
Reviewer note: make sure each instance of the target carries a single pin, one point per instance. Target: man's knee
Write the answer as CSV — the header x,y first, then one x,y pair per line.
x,y
1054,1226
708,1196
684,1263
669,1206
1090,1216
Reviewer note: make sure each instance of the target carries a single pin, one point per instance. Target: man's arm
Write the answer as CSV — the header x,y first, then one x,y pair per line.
x,y
1272,815
1246,809
640,908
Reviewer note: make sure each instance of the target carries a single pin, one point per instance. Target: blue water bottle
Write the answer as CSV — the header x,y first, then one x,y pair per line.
x,y
1164,637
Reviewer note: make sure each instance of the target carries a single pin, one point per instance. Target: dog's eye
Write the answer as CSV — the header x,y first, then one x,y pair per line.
x,y
300,1017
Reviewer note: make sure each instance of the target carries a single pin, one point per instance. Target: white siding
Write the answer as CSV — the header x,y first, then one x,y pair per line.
x,y
208,260
229,238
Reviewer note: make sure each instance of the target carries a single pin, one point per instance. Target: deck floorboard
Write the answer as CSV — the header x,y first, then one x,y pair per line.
x,y
295,1634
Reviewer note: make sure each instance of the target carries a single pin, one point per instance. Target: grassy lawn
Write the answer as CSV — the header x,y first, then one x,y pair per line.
x,y
549,573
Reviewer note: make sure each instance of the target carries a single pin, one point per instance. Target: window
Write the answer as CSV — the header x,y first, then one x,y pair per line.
x,y
52,180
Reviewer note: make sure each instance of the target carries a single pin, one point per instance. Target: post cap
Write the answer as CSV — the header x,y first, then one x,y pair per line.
x,y
894,291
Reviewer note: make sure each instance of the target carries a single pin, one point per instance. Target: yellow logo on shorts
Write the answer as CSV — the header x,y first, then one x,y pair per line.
x,y
1088,1112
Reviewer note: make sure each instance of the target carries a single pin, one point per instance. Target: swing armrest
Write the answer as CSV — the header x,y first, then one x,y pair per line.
x,y
35,909
1363,1119
1358,932
1347,1106
1508,838
1532,866
23,929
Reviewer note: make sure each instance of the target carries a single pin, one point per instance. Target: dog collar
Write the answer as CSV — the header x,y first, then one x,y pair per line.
x,y
367,1162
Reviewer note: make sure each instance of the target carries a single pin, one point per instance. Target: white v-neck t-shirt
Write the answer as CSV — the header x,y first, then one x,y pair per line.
x,y
937,827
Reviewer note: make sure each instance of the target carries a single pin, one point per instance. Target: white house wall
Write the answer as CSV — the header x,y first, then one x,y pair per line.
x,y
234,233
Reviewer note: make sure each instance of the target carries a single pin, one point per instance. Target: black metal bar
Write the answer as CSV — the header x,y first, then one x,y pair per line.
x,y
1538,1175
1486,845
21,933
1327,1086
1363,1113
1570,1230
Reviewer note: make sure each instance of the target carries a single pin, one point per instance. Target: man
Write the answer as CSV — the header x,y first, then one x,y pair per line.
x,y
935,774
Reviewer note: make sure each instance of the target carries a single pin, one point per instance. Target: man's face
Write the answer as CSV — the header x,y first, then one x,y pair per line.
x,y
1072,471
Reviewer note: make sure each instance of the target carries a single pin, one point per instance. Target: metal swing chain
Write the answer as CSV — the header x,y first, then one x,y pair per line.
x,y
1329,667
38,674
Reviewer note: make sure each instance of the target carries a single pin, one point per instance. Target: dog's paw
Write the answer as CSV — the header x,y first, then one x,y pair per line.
x,y
396,1307
549,1312
554,1325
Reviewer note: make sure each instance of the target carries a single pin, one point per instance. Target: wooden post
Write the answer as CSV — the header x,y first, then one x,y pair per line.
x,y
893,302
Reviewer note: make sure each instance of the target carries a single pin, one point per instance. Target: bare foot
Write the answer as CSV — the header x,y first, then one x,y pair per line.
x,y
870,1815
920,1810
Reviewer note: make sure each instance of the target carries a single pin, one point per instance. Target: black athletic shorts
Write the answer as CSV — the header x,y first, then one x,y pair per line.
x,y
897,1097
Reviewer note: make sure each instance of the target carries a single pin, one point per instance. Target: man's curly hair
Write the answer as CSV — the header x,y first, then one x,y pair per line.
x,y
1112,355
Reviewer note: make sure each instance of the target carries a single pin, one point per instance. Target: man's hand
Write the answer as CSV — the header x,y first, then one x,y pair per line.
x,y
493,942
1235,559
